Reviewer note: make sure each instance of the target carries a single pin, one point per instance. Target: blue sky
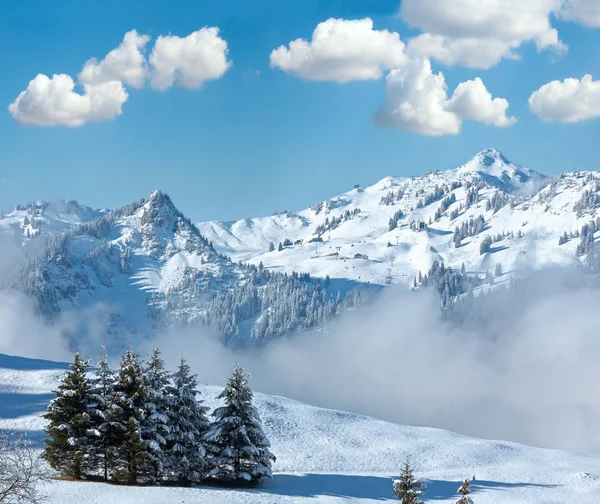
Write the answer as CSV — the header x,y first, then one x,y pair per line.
x,y
251,143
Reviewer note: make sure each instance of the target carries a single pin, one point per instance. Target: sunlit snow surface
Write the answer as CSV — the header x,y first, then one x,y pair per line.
x,y
330,456
541,215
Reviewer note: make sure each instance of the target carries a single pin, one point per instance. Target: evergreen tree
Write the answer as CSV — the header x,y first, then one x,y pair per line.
x,y
280,247
188,424
155,424
101,452
271,247
498,271
133,459
239,446
68,416
407,488
464,491
485,246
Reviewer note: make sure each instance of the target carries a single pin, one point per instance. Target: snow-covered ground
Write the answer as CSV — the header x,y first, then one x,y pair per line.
x,y
396,256
330,456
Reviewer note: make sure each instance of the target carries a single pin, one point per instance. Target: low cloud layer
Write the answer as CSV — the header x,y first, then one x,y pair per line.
x,y
524,368
188,61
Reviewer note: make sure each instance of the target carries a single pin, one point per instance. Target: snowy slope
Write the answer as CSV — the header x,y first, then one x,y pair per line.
x,y
145,267
331,456
539,208
40,217
133,261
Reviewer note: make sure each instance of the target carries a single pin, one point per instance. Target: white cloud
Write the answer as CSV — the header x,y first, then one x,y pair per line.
x,y
53,101
469,52
190,61
126,63
341,51
471,100
586,12
570,101
417,101
479,33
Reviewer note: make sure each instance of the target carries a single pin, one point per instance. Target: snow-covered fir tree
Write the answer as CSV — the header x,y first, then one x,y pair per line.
x,y
133,462
239,447
464,491
186,456
101,453
407,488
69,420
155,423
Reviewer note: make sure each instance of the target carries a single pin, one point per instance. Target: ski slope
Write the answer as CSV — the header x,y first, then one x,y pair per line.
x,y
330,456
542,210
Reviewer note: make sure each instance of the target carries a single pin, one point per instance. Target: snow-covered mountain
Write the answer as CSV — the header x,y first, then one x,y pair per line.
x,y
367,235
40,217
145,267
329,456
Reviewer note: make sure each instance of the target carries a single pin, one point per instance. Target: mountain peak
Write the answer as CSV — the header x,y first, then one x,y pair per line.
x,y
490,156
491,166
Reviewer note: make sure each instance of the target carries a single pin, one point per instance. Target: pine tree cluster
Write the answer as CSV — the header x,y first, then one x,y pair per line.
x,y
334,222
472,227
278,303
143,425
472,197
586,244
449,283
393,223
438,193
587,202
498,200
446,202
392,197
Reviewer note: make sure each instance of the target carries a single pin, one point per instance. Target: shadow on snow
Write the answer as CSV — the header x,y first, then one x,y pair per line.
x,y
369,487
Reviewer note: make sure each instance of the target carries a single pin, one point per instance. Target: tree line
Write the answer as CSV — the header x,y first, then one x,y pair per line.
x,y
141,424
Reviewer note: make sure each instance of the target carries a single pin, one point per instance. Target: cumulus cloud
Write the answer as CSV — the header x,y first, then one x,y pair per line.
x,y
478,33
417,101
470,52
126,63
471,100
190,61
569,101
53,101
586,12
341,51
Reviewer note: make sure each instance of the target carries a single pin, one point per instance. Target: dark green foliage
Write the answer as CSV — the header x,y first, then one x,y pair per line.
x,y
100,452
407,488
186,459
155,425
69,419
486,245
133,460
239,448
